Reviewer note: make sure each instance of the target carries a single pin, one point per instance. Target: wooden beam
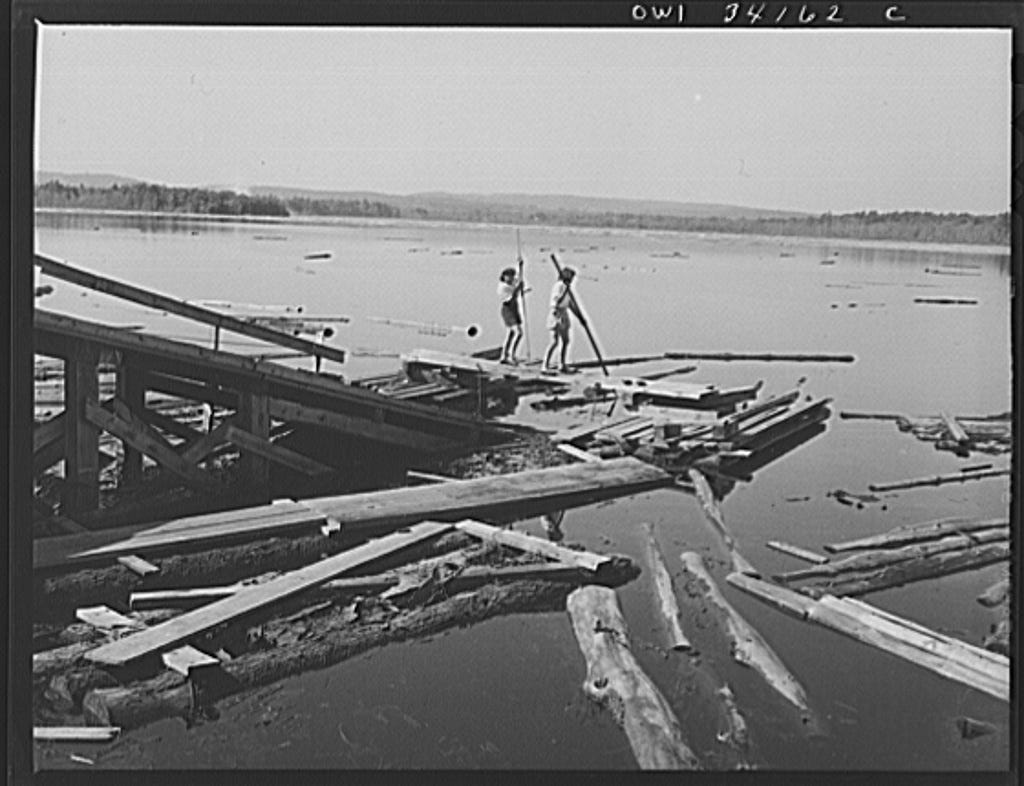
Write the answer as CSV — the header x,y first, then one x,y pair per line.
x,y
180,629
760,356
207,443
956,431
131,389
938,480
65,272
138,565
914,533
796,551
253,417
275,453
532,545
139,435
577,453
81,473
75,733
192,361
291,412
47,433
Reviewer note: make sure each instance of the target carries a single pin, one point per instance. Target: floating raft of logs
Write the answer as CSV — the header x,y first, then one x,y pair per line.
x,y
960,434
728,447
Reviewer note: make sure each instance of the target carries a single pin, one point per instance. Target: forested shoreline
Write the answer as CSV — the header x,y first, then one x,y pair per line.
x,y
916,226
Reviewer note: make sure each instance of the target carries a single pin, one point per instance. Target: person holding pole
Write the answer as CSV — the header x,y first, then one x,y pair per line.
x,y
562,302
509,288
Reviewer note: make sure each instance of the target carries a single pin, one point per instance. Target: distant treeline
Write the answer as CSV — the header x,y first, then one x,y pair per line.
x,y
908,226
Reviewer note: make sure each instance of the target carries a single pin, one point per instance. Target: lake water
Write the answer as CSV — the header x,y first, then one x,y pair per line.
x,y
506,693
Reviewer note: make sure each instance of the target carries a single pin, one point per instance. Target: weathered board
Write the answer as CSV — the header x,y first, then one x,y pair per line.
x,y
532,545
192,623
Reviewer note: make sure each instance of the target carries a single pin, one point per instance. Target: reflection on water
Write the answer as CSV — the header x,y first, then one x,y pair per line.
x,y
496,695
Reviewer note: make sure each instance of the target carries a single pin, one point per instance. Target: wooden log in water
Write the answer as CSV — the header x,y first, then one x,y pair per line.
x,y
615,680
938,480
747,646
872,560
74,733
916,533
761,356
665,591
796,551
908,640
996,595
331,638
714,515
908,571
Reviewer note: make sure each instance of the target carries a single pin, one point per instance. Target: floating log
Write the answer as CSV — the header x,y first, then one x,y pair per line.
x,y
956,431
747,646
615,680
908,571
947,301
714,515
941,654
938,480
871,560
258,597
74,733
914,533
331,638
971,729
796,551
665,592
760,356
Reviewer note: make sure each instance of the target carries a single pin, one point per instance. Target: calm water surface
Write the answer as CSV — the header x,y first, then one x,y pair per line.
x,y
506,693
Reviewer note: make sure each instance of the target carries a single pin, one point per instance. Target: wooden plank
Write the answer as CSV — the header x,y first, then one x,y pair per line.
x,y
928,530
761,356
533,491
793,603
105,618
275,453
168,424
290,411
185,660
258,597
138,565
796,551
65,272
665,592
141,437
75,733
956,431
577,453
532,545
587,429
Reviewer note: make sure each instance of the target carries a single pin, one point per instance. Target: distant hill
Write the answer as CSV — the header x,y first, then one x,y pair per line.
x,y
433,201
88,180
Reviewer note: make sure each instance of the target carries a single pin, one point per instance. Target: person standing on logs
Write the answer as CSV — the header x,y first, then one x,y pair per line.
x,y
509,288
562,303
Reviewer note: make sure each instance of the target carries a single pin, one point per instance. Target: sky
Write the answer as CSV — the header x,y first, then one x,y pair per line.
x,y
811,120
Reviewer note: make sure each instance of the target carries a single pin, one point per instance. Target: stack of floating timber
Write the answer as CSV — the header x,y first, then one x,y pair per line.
x,y
905,554
960,434
731,446
986,671
492,396
473,371
236,637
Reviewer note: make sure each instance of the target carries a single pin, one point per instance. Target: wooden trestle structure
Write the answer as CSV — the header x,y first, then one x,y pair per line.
x,y
251,396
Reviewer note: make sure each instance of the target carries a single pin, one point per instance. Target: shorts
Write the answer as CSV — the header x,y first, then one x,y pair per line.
x,y
559,325
510,313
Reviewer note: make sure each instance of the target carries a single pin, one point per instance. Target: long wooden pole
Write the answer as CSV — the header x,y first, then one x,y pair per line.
x,y
522,294
583,321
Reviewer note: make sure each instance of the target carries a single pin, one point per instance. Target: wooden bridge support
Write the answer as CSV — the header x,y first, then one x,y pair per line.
x,y
82,471
131,390
254,417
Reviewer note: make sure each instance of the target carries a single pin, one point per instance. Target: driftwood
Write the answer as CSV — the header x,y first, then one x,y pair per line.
x,y
796,551
615,680
937,652
665,591
915,533
997,594
747,646
938,480
907,571
871,560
